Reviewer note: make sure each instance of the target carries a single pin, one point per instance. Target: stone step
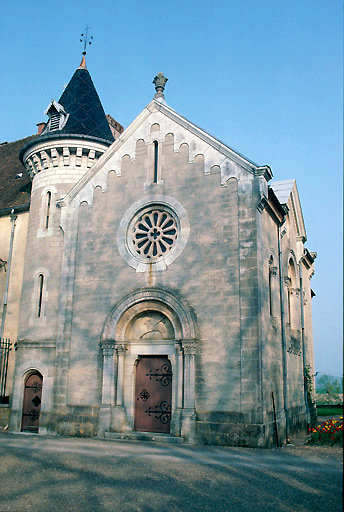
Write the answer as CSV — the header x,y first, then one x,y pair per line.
x,y
143,436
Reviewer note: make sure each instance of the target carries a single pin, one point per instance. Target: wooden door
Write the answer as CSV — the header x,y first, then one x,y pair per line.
x,y
153,394
32,402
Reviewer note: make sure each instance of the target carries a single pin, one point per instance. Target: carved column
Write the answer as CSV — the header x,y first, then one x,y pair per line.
x,y
121,350
188,419
108,388
189,348
179,360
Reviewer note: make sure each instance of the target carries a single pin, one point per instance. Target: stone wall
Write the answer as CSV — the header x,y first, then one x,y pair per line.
x,y
5,412
216,275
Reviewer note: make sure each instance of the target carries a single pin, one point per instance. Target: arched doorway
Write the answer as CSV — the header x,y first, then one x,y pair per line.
x,y
149,340
32,402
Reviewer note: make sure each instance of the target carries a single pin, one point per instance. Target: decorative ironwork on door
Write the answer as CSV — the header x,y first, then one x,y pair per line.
x,y
153,394
32,402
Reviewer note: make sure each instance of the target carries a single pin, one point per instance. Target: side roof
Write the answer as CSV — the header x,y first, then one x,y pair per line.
x,y
15,183
287,194
283,189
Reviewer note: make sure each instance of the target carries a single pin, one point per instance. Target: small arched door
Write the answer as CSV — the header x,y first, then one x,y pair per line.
x,y
32,402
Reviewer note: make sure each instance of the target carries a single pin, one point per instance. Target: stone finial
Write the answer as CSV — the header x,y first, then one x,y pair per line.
x,y
159,82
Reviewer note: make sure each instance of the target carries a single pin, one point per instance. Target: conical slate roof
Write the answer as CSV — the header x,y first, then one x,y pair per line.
x,y
81,101
86,116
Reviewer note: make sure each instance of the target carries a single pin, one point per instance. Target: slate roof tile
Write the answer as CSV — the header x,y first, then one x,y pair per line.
x,y
82,103
13,192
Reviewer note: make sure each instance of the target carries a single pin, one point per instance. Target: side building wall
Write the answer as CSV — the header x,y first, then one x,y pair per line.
x,y
11,319
286,383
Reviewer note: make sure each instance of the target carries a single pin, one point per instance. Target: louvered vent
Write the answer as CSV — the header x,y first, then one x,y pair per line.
x,y
55,121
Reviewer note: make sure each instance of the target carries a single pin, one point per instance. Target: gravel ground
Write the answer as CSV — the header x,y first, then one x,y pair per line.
x,y
90,475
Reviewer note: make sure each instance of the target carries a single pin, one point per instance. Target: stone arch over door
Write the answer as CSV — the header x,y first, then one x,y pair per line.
x,y
185,325
148,323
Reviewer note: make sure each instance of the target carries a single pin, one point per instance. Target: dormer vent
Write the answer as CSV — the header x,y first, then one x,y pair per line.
x,y
57,117
55,121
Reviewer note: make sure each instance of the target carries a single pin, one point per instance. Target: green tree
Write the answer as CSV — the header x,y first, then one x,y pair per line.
x,y
329,384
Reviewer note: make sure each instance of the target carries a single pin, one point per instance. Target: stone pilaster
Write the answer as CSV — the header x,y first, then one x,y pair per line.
x,y
108,386
188,420
189,348
121,349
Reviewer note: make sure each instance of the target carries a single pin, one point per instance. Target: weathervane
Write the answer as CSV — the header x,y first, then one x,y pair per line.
x,y
86,39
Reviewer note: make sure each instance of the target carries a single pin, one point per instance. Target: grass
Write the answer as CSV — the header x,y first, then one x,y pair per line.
x,y
329,410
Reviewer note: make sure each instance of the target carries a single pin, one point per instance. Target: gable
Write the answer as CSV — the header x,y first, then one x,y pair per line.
x,y
215,153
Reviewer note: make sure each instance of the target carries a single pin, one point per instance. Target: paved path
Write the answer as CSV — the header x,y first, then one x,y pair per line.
x,y
48,474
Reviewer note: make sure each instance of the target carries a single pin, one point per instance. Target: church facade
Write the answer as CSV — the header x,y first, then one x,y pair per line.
x,y
166,285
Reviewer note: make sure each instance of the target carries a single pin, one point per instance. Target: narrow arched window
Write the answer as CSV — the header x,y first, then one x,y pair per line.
x,y
40,295
270,292
47,210
292,301
156,149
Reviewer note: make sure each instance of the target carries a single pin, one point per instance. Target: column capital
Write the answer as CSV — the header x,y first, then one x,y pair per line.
x,y
189,346
121,348
107,347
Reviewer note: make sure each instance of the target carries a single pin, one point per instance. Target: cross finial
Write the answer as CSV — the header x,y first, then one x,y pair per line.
x,y
86,39
159,81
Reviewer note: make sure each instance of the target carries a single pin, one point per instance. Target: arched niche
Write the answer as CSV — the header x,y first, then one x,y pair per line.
x,y
149,325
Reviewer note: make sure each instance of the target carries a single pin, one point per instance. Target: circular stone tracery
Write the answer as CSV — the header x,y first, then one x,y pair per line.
x,y
154,233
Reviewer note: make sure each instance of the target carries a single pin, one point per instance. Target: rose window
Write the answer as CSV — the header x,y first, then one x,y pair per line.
x,y
154,233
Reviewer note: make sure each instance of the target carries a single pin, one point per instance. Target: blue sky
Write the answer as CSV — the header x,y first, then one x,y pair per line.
x,y
263,76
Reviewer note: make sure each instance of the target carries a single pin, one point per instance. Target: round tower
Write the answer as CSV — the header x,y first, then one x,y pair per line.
x,y
76,134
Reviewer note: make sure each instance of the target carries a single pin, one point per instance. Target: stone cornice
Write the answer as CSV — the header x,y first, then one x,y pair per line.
x,y
36,343
308,258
